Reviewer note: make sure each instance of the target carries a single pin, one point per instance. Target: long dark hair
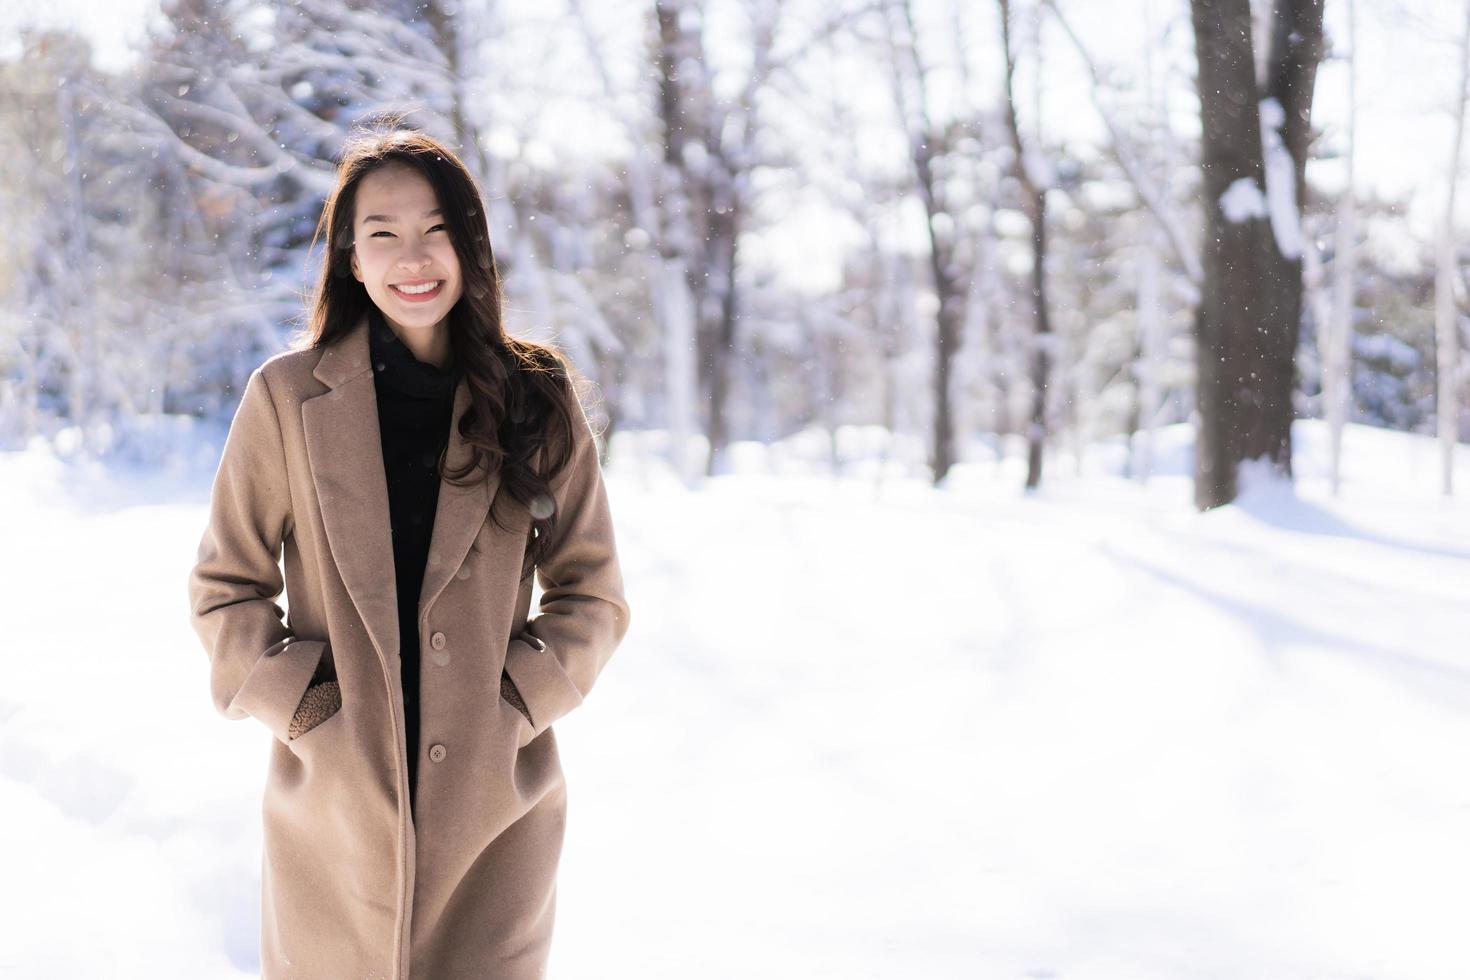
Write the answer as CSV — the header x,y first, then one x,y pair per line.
x,y
522,394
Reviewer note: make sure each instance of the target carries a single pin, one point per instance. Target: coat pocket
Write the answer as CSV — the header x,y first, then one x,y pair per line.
x,y
524,733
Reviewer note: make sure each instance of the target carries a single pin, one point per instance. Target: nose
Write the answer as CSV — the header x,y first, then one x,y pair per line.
x,y
414,257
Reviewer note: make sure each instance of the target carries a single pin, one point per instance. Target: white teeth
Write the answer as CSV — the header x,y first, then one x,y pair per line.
x,y
425,288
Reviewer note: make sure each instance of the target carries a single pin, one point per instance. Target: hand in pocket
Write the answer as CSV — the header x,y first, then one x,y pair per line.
x,y
509,692
320,702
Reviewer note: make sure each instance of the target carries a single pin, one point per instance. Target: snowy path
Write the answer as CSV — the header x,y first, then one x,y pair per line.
x,y
1089,735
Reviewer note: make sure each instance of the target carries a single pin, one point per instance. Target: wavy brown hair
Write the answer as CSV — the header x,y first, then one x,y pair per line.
x,y
523,394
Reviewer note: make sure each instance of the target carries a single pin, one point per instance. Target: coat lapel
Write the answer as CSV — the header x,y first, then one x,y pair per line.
x,y
346,451
460,513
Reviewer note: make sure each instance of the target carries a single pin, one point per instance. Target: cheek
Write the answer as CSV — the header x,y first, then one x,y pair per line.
x,y
448,259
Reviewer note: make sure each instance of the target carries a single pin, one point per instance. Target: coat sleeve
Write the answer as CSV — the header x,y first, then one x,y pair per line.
x,y
583,613
258,666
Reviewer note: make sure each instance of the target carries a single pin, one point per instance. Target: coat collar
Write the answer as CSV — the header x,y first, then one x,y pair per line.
x,y
345,447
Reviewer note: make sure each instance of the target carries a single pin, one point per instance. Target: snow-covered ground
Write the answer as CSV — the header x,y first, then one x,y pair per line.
x,y
856,730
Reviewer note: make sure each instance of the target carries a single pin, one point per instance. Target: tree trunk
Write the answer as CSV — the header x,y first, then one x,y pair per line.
x,y
1253,157
1445,333
1337,367
724,231
1040,363
927,147
1033,195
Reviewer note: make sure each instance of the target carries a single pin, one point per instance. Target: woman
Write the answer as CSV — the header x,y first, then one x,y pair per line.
x,y
416,464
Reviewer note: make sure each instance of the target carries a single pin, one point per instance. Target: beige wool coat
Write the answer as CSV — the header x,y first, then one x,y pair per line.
x,y
355,884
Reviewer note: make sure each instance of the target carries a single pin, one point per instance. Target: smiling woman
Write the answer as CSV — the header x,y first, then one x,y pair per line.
x,y
415,464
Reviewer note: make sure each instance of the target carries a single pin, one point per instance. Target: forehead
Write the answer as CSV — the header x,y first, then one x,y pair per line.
x,y
395,190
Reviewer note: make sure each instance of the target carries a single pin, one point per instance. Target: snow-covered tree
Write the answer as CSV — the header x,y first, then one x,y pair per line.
x,y
1253,157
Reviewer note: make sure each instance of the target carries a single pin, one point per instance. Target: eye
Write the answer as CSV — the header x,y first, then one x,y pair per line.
x,y
435,228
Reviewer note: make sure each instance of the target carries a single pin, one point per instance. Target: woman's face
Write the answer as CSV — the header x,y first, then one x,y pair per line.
x,y
401,241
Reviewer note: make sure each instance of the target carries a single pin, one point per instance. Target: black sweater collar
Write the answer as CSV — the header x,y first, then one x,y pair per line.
x,y
396,366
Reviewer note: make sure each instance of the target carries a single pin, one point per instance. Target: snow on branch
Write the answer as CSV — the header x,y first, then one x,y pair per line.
x,y
1242,201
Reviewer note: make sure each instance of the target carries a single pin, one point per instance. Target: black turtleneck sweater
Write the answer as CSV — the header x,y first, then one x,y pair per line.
x,y
415,403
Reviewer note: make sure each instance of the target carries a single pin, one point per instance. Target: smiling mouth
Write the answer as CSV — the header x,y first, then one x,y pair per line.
x,y
421,295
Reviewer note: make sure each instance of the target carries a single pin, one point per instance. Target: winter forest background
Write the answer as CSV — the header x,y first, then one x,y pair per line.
x,y
746,220
1036,429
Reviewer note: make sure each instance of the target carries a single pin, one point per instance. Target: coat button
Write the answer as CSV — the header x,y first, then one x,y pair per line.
x,y
438,752
437,640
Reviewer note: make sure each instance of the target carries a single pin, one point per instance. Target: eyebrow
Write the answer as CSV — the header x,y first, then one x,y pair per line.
x,y
393,217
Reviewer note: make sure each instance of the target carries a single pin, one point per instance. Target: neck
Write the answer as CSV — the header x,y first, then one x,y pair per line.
x,y
428,344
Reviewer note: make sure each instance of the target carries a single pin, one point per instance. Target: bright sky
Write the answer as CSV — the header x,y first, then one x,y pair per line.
x,y
1405,86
